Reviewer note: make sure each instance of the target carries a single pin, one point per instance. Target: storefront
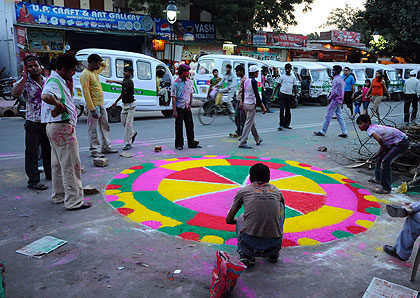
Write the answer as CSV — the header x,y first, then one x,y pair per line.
x,y
48,31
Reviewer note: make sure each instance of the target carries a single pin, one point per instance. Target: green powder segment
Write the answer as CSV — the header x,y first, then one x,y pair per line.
x,y
236,174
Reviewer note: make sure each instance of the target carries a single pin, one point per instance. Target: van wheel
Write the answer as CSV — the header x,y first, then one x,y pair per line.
x,y
167,113
294,103
114,114
323,100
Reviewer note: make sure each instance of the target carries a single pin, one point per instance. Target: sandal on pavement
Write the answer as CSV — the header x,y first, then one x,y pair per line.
x,y
85,205
392,252
382,191
259,142
374,181
38,186
396,211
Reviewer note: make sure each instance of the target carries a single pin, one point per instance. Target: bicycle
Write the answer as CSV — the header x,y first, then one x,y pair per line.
x,y
209,111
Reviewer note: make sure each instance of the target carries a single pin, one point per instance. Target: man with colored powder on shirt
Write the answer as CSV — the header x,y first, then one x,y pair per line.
x,y
181,93
260,228
35,132
59,111
336,98
94,98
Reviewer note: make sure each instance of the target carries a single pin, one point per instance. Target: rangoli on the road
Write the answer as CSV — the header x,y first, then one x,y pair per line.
x,y
190,197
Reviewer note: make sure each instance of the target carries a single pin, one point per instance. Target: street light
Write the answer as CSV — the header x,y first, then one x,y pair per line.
x,y
376,36
171,14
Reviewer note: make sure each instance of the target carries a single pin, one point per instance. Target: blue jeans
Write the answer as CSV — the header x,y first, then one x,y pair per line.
x,y
365,105
256,246
383,170
334,107
357,110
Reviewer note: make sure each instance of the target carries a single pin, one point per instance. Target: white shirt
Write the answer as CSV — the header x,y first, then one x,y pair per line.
x,y
51,87
249,95
412,86
286,83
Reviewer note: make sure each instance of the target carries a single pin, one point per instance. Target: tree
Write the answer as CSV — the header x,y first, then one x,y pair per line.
x,y
398,24
313,36
233,16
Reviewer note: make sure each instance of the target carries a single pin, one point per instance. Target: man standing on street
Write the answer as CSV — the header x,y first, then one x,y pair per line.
x,y
240,115
59,111
336,98
35,131
411,93
181,93
94,98
267,84
250,99
288,88
260,228
349,88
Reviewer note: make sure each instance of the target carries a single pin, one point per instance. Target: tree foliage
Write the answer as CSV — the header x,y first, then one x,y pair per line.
x,y
233,16
313,36
398,23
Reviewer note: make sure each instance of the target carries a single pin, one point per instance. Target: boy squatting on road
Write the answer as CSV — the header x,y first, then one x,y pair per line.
x,y
128,106
260,228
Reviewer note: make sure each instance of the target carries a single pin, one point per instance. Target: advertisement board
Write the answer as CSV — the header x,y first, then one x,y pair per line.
x,y
278,39
30,13
186,30
345,36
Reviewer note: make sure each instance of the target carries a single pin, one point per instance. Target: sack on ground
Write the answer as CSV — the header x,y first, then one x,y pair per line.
x,y
225,275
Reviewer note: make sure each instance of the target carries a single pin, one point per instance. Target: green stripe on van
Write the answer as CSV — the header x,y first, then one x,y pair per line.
x,y
116,89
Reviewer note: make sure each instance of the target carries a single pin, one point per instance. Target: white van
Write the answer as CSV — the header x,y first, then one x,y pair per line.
x,y
393,79
355,69
314,81
405,69
144,78
207,63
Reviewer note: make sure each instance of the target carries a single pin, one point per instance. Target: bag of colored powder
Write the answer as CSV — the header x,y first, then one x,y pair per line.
x,y
225,275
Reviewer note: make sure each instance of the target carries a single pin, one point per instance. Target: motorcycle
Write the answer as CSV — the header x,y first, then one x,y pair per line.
x,y
21,106
6,86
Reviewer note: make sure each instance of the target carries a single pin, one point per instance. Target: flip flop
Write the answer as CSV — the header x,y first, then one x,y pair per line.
x,y
392,252
38,186
85,205
396,211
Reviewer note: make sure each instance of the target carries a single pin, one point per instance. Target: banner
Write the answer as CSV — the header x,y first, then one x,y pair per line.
x,y
345,36
278,39
186,30
21,37
30,13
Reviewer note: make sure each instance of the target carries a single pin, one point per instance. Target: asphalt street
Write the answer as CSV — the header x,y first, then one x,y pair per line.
x,y
100,240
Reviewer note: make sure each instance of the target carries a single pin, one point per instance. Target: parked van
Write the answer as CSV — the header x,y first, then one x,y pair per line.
x,y
207,63
393,79
144,78
314,81
277,71
405,69
356,70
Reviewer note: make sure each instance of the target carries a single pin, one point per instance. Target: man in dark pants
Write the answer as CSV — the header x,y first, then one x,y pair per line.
x,y
267,83
349,89
31,87
240,115
411,92
181,93
288,89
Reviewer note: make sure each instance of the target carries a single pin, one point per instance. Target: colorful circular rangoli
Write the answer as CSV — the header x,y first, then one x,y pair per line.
x,y
190,197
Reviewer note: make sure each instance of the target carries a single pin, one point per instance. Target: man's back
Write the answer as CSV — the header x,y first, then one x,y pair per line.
x,y
411,86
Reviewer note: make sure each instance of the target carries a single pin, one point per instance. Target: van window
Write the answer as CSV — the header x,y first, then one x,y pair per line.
x,y
120,64
224,64
236,63
360,74
319,75
106,72
144,70
369,73
406,73
205,66
393,75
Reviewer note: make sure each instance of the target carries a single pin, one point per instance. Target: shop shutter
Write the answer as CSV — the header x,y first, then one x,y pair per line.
x,y
72,3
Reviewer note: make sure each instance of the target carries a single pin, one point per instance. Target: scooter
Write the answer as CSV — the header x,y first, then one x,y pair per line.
x,y
6,86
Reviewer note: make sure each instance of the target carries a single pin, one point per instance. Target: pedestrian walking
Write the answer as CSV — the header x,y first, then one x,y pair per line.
x,y
97,114
365,98
336,98
393,143
128,106
349,88
30,85
288,89
181,93
267,90
357,101
230,88
240,115
411,97
59,111
377,91
250,100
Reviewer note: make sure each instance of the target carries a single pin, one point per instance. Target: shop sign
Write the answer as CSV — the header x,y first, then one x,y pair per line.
x,y
21,37
345,36
45,41
263,50
31,13
186,30
278,39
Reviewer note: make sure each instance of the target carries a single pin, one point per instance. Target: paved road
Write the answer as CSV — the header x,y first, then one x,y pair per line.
x,y
99,240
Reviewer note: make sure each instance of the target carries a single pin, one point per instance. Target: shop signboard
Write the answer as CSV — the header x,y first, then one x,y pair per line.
x,y
345,36
31,13
278,39
186,30
21,36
